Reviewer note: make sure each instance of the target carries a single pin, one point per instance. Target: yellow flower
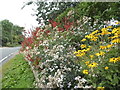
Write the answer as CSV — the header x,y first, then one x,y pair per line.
x,y
98,34
92,65
106,68
89,46
118,58
100,88
116,40
83,40
103,47
85,71
109,45
89,36
97,54
101,53
75,52
114,30
84,50
88,49
114,60
105,31
80,54
87,62
79,51
91,56
83,46
94,32
94,38
109,27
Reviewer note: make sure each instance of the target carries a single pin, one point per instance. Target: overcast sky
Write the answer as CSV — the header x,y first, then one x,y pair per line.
x,y
11,10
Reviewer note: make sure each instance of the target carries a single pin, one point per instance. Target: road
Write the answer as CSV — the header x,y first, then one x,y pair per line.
x,y
6,52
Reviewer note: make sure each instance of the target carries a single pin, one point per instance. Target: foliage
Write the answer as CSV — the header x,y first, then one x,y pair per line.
x,y
48,49
77,50
17,74
10,33
94,12
48,10
100,58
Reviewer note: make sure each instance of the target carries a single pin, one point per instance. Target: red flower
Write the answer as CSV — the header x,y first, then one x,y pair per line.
x,y
67,26
60,29
54,24
48,31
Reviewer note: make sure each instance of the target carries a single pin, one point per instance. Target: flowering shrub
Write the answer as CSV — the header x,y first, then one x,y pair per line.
x,y
100,58
66,57
50,50
62,73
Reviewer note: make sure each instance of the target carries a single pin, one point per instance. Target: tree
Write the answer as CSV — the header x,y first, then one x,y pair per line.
x,y
50,10
10,33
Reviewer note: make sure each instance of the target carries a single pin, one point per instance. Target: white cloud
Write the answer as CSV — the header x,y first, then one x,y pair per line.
x,y
11,10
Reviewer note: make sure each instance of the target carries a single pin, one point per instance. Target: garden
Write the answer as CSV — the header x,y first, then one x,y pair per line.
x,y
76,48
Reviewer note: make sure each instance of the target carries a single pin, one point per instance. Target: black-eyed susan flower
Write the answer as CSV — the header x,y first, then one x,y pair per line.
x,y
97,54
85,71
102,53
94,38
83,46
103,47
80,54
94,64
109,45
115,30
104,31
116,40
114,60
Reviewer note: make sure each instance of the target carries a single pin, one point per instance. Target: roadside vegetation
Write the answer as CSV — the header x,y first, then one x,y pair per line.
x,y
79,48
17,73
11,34
76,47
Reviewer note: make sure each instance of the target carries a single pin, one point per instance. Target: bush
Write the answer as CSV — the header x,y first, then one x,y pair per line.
x,y
51,50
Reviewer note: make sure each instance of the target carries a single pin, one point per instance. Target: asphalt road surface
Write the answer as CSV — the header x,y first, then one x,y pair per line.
x,y
6,52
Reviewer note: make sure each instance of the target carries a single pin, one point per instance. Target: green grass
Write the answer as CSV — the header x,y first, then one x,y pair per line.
x,y
17,73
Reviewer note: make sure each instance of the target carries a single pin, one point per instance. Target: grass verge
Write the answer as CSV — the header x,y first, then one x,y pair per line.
x,y
17,73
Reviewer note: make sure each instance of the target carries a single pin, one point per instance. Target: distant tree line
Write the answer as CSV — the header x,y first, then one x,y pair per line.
x,y
11,34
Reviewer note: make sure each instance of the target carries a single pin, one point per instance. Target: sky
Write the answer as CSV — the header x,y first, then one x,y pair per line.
x,y
11,10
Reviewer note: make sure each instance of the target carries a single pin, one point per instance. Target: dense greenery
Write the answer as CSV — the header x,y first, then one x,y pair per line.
x,y
50,10
96,11
17,73
10,33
